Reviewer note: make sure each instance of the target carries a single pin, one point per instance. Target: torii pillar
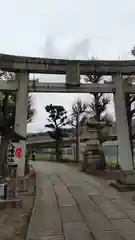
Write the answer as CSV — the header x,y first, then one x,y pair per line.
x,y
20,126
127,175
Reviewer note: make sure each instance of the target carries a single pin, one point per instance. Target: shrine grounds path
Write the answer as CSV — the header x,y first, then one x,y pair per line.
x,y
71,205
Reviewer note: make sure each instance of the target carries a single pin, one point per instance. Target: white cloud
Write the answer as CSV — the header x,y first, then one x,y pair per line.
x,y
66,29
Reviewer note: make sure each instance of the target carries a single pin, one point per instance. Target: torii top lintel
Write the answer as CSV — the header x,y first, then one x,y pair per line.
x,y
13,63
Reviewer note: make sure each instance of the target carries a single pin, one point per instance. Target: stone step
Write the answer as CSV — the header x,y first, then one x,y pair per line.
x,y
10,203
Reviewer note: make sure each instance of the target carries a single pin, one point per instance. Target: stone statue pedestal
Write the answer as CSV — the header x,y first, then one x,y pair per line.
x,y
127,177
125,181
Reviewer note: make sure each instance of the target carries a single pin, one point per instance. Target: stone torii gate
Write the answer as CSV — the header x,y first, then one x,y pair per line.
x,y
23,66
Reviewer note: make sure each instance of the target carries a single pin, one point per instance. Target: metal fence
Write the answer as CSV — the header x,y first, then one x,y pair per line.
x,y
111,154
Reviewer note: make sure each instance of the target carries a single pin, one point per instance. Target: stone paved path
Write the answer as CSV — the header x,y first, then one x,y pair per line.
x,y
74,206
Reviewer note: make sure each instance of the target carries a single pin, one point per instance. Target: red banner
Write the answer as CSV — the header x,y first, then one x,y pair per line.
x,y
18,152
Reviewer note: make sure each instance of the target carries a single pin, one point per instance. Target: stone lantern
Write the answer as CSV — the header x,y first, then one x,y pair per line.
x,y
93,151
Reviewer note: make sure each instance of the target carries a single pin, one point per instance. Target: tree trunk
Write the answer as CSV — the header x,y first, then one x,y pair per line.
x,y
77,155
3,157
58,152
74,152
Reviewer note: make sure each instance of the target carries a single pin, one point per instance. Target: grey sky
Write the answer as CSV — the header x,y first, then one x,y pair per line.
x,y
66,29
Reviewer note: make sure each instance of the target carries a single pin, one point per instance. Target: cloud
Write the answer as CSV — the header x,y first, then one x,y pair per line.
x,y
65,46
81,49
50,47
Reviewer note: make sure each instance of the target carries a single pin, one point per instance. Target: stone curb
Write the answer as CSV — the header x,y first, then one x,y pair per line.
x,y
32,211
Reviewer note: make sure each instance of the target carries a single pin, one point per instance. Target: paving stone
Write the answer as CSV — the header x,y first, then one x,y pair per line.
x,y
48,223
123,204
46,215
110,210
70,214
90,189
64,196
106,235
102,201
125,227
79,193
83,199
77,230
69,180
111,193
131,214
91,198
113,213
96,221
88,206
53,237
96,184
55,179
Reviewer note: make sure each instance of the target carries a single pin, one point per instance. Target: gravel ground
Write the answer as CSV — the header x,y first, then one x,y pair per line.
x,y
14,222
